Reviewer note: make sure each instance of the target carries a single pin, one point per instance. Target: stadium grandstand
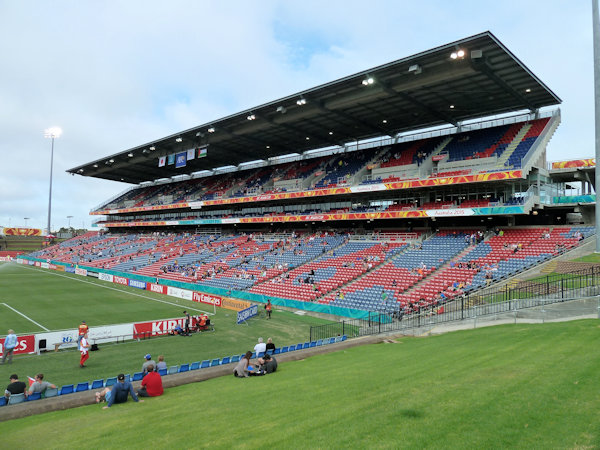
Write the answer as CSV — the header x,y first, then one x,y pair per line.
x,y
397,188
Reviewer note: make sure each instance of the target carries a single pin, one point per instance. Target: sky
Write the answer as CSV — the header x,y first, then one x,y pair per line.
x,y
117,74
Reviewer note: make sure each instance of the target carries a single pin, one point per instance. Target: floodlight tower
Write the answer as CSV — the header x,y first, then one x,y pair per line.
x,y
52,133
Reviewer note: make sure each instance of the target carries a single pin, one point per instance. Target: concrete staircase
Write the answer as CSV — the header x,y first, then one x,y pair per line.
x,y
513,145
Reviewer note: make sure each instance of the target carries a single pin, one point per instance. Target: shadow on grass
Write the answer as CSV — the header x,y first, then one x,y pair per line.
x,y
411,413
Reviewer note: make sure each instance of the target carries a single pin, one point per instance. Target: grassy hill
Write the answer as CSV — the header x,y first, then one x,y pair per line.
x,y
518,386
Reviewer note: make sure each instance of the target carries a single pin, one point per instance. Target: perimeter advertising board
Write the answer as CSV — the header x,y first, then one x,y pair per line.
x,y
25,344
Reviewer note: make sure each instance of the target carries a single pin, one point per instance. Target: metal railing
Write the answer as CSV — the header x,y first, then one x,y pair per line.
x,y
548,290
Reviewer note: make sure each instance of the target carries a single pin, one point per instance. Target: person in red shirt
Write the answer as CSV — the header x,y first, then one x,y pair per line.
x,y
151,384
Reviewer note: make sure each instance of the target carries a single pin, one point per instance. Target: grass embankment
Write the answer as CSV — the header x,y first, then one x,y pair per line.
x,y
520,386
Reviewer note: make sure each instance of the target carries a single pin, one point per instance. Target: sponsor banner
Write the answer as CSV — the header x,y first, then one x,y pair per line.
x,y
179,293
450,212
22,231
82,272
206,298
5,258
159,289
21,261
137,284
247,313
70,269
368,188
158,327
196,205
105,277
409,184
59,268
96,335
233,304
230,220
45,265
35,263
574,199
574,163
25,344
120,280
439,157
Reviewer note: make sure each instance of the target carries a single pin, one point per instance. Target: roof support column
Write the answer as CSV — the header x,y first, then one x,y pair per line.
x,y
596,37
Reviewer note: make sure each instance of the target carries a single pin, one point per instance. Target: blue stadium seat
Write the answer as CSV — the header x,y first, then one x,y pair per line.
x,y
97,384
235,358
184,368
34,396
66,389
172,370
17,398
81,387
2,401
205,364
215,362
226,360
195,365
161,372
138,376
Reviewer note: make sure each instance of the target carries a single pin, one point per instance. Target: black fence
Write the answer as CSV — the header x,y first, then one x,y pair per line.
x,y
542,291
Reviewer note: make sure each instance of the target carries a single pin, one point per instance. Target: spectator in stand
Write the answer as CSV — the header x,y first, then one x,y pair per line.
x,y
161,363
241,369
148,362
120,392
261,347
151,384
15,387
40,385
270,345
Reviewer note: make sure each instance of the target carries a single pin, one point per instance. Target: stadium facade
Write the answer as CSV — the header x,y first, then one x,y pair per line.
x,y
412,158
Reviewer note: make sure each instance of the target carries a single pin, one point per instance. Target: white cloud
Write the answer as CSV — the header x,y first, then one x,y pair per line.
x,y
117,74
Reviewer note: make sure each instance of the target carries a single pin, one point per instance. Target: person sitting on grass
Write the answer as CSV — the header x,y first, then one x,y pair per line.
x,y
268,364
40,385
120,391
241,369
151,384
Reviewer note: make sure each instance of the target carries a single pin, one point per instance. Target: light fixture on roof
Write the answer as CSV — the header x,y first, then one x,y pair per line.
x,y
111,160
178,139
211,130
301,101
368,81
268,146
459,54
307,138
528,90
251,117
80,171
281,109
451,106
152,148
330,133
130,154
95,166
384,121
415,68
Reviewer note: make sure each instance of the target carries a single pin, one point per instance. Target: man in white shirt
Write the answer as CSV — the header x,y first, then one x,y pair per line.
x,y
261,347
83,348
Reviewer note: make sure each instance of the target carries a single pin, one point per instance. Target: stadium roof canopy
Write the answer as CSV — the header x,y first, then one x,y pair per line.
x,y
468,79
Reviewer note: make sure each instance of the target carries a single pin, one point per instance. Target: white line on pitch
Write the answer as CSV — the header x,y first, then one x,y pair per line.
x,y
119,290
28,318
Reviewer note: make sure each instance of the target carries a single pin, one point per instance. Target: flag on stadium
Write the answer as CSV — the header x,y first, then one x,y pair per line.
x,y
191,154
201,152
162,161
171,159
31,380
180,160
